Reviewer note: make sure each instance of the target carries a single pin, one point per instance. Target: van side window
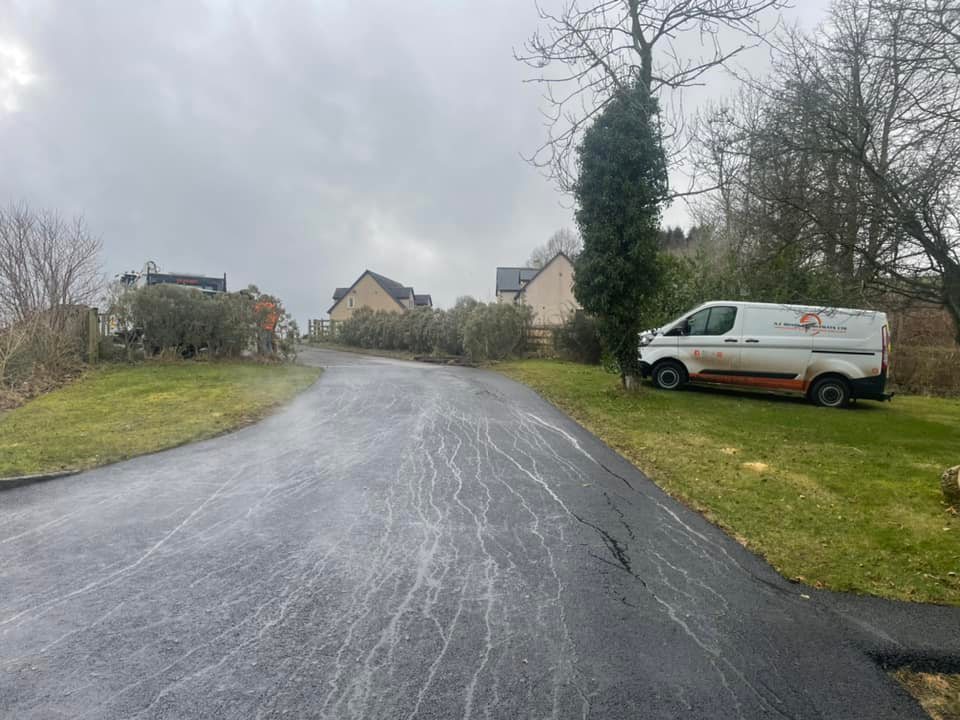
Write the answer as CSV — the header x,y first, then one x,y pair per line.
x,y
712,321
721,320
697,323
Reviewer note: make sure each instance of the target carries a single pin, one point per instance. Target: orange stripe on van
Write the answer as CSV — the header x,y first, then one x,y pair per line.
x,y
752,382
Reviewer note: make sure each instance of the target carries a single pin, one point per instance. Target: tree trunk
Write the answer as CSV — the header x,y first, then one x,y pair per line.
x,y
951,296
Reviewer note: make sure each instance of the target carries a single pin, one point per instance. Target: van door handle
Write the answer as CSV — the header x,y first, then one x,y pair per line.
x,y
752,340
730,340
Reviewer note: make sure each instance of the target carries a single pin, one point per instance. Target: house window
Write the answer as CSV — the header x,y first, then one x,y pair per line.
x,y
350,301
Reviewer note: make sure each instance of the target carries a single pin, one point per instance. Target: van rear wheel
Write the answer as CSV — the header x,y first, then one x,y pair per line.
x,y
832,392
669,375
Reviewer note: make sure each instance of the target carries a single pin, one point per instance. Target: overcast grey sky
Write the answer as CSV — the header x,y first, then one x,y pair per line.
x,y
288,144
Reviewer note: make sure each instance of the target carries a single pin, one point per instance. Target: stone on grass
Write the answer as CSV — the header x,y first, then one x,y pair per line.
x,y
950,483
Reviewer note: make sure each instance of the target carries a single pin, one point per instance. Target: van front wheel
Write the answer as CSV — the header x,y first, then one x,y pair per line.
x,y
831,392
669,375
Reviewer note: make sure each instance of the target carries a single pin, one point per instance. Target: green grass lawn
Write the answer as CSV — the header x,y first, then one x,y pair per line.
x,y
119,411
844,499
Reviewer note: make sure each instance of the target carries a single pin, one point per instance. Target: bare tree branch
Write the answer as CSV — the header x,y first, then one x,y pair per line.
x,y
564,241
604,45
849,154
46,263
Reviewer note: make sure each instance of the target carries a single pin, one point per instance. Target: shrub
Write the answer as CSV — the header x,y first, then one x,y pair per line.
x,y
40,352
484,332
449,335
496,331
450,325
578,339
926,370
289,335
352,331
183,321
174,318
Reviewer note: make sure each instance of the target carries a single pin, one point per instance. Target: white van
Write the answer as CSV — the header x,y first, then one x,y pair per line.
x,y
830,355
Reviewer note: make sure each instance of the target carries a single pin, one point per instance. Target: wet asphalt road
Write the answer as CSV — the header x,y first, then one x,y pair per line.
x,y
409,541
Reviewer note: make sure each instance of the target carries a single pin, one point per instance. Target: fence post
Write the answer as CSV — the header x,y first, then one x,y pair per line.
x,y
93,336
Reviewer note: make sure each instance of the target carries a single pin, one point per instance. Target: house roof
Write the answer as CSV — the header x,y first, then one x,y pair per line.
x,y
516,279
422,301
396,290
511,279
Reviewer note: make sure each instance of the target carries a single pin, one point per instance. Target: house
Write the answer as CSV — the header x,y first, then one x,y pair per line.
x,y
376,292
548,290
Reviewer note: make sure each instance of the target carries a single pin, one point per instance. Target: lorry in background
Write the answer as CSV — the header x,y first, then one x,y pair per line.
x,y
829,355
151,275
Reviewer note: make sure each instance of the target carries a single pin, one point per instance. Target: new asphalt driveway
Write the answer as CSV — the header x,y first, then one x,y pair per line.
x,y
411,541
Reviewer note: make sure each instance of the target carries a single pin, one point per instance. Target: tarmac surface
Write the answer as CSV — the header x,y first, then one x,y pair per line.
x,y
416,541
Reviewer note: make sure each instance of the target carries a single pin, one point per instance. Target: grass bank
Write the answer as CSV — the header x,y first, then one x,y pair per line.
x,y
119,411
844,499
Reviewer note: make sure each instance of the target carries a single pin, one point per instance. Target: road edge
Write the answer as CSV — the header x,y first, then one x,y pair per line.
x,y
10,483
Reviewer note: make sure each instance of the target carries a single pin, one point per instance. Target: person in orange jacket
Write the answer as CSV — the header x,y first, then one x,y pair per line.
x,y
268,316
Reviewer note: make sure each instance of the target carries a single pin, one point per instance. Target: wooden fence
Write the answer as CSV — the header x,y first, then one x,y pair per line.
x,y
79,326
322,329
540,340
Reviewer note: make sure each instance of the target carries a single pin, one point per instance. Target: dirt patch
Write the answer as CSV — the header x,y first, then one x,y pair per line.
x,y
39,383
445,360
938,694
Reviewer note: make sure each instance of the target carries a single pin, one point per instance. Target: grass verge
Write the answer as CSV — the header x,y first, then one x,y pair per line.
x,y
938,694
848,500
118,411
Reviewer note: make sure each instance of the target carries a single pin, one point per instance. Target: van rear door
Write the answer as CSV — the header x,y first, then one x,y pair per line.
x,y
854,343
776,347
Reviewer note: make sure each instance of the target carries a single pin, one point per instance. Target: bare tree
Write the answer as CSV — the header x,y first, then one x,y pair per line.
x,y
846,161
46,263
586,52
876,100
564,241
15,340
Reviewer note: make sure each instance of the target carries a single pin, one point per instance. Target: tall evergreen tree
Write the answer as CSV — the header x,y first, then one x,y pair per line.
x,y
621,185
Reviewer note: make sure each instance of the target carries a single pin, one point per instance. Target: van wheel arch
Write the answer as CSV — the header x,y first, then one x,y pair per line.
x,y
664,379
830,389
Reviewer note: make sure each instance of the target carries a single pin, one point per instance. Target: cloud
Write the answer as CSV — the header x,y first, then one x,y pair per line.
x,y
16,75
291,145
